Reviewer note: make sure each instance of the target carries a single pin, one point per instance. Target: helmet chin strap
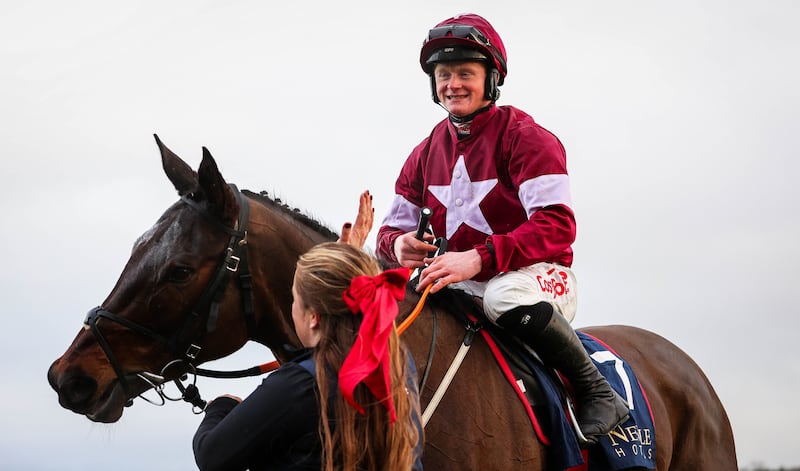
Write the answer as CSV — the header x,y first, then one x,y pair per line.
x,y
467,118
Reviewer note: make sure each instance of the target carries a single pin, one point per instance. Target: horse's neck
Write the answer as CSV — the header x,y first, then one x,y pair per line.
x,y
275,241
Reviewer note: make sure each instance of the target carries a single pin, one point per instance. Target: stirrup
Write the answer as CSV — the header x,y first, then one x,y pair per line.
x,y
583,440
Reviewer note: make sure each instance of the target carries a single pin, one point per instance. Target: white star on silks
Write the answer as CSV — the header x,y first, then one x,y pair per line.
x,y
461,198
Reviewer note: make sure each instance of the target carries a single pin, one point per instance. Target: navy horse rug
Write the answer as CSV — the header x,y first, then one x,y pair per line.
x,y
547,400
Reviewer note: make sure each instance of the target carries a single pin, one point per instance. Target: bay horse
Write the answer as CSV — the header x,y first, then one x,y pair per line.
x,y
216,270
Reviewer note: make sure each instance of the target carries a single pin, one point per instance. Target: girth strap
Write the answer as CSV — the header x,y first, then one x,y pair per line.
x,y
472,329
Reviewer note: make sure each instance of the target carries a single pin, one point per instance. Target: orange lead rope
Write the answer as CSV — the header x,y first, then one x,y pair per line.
x,y
268,367
411,317
425,214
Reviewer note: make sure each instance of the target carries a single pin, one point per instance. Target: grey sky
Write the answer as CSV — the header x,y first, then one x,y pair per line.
x,y
680,122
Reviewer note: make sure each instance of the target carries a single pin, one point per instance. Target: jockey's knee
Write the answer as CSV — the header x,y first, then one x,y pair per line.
x,y
522,288
506,292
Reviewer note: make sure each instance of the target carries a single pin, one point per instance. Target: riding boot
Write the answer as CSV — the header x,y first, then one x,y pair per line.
x,y
600,408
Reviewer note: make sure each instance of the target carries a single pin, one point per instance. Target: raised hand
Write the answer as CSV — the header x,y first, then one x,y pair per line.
x,y
356,233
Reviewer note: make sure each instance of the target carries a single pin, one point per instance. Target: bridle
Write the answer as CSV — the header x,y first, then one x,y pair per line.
x,y
185,342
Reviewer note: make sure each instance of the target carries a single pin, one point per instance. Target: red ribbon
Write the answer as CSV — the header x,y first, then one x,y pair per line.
x,y
368,361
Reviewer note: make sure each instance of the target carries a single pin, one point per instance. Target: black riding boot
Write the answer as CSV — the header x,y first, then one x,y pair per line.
x,y
600,408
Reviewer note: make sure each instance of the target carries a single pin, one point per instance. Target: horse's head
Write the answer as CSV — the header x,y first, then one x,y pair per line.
x,y
178,302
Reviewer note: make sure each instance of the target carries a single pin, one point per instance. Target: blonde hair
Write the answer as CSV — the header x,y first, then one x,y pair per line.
x,y
363,442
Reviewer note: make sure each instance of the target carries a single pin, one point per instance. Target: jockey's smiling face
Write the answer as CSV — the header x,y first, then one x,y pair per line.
x,y
459,86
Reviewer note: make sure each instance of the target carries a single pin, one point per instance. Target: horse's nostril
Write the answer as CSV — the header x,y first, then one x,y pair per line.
x,y
76,392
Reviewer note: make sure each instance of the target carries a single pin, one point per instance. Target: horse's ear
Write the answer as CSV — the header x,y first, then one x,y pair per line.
x,y
179,173
220,197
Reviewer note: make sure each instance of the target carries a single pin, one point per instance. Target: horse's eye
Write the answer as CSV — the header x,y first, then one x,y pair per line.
x,y
180,274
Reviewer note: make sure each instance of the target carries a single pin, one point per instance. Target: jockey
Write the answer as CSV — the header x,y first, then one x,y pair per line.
x,y
498,186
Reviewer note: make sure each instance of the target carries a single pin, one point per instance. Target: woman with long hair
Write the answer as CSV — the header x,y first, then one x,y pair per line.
x,y
350,402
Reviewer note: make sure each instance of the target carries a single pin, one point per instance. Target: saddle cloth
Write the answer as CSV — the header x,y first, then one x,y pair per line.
x,y
630,445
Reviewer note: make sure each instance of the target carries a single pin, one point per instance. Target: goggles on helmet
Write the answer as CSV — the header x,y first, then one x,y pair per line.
x,y
458,31
466,32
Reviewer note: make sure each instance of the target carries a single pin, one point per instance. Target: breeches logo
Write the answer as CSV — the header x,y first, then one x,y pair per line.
x,y
556,286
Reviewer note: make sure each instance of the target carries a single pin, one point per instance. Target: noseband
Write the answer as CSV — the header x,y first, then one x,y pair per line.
x,y
185,342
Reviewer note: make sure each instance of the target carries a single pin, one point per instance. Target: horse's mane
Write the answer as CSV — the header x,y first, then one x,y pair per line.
x,y
294,213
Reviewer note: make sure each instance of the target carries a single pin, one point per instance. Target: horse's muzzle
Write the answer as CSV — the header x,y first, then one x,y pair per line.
x,y
78,392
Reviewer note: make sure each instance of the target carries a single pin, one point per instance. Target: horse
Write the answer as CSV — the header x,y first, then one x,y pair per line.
x,y
176,306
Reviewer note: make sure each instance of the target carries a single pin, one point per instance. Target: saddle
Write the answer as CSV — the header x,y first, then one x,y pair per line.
x,y
547,397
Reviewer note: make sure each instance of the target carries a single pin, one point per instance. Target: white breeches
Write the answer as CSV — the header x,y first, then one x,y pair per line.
x,y
525,287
